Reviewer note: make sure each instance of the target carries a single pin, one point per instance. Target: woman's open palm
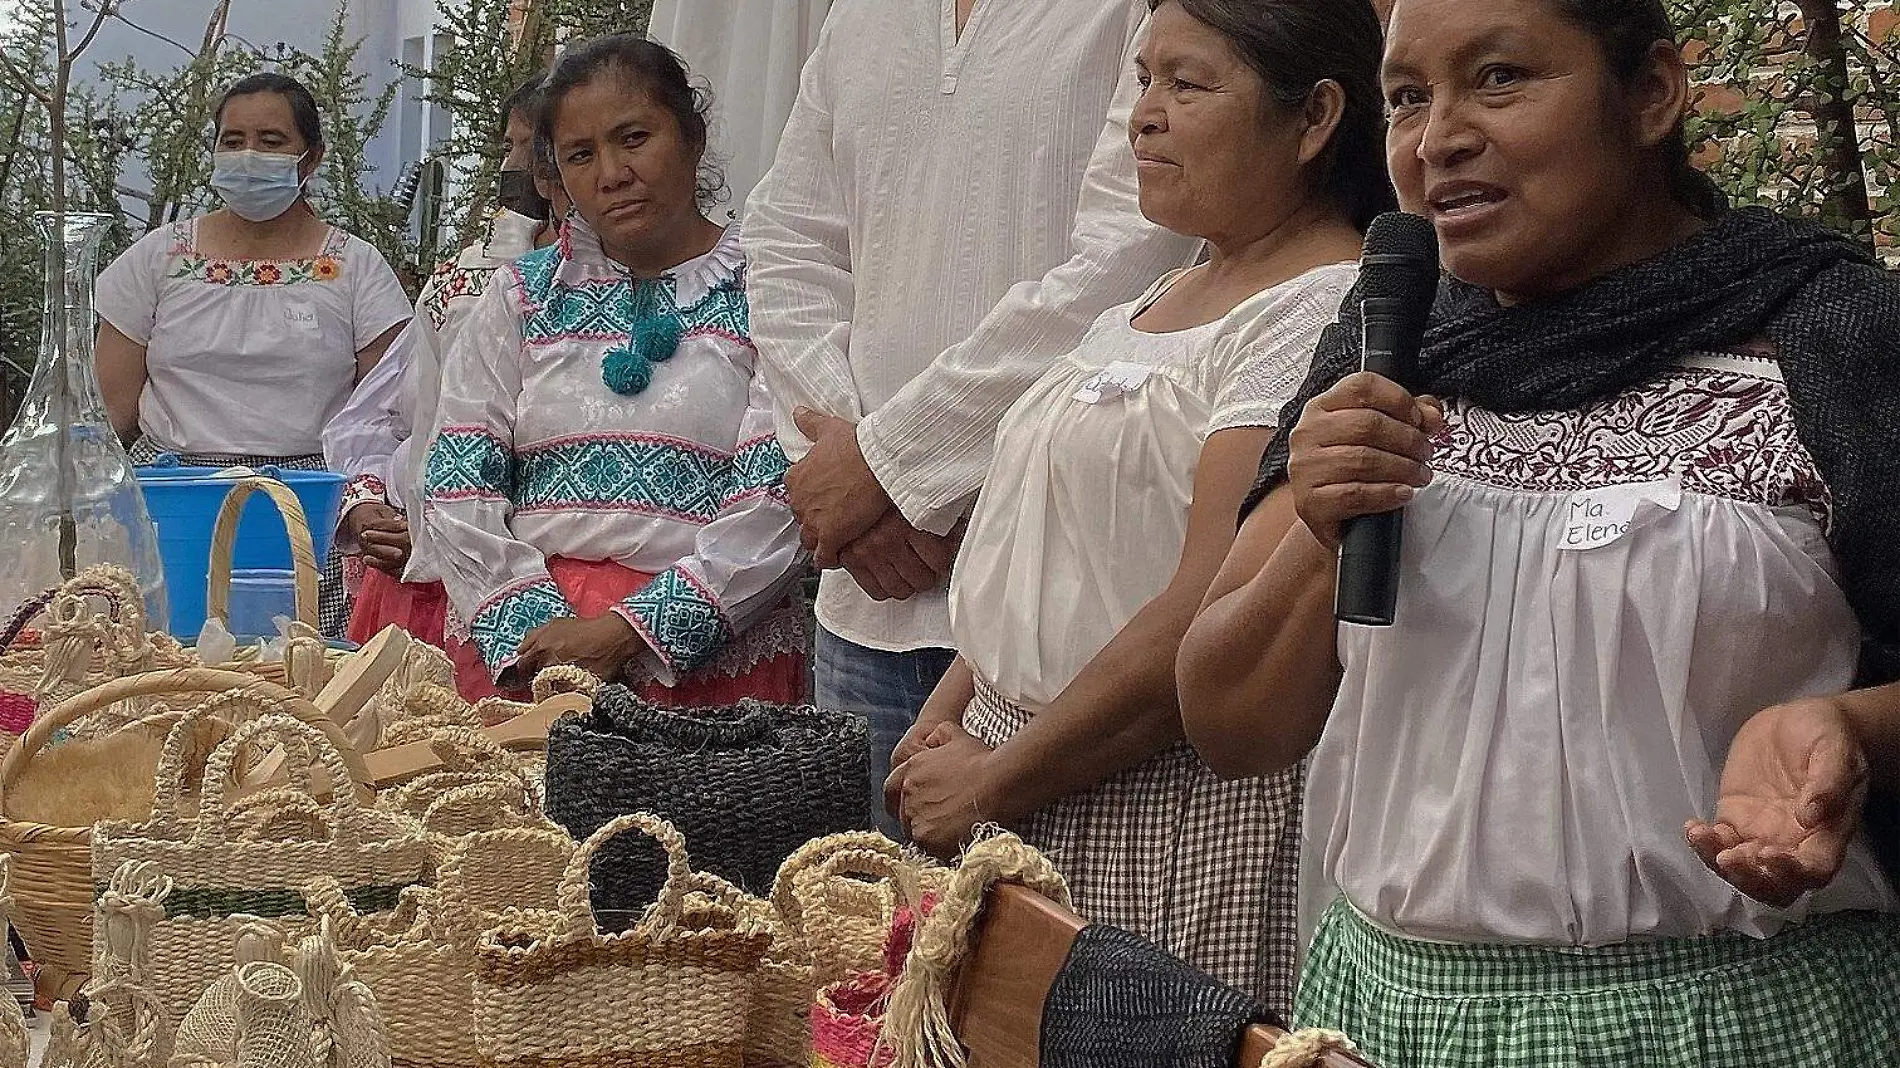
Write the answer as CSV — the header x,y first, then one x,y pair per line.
x,y
1790,802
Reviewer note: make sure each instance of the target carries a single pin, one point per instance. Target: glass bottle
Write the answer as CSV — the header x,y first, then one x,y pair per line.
x,y
69,497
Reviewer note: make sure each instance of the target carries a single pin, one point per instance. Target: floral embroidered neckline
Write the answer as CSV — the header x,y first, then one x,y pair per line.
x,y
190,264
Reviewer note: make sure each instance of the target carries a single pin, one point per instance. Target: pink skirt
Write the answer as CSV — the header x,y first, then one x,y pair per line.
x,y
420,608
595,586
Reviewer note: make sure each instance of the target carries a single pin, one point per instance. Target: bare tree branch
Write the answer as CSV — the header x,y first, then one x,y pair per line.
x,y
22,83
99,17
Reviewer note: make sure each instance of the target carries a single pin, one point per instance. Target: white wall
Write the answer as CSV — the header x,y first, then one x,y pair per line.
x,y
383,24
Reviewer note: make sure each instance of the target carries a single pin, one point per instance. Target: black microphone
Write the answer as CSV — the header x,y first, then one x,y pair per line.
x,y
1398,277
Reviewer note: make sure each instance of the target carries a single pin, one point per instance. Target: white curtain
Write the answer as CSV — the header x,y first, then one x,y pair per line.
x,y
750,52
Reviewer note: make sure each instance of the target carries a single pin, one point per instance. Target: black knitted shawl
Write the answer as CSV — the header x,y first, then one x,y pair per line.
x,y
1832,314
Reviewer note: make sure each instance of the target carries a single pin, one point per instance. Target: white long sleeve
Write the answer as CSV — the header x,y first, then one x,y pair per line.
x,y
798,251
931,444
362,439
922,174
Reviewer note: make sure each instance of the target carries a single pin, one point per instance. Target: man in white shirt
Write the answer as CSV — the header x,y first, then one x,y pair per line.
x,y
947,213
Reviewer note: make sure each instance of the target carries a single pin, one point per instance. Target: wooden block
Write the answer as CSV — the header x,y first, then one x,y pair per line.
x,y
362,674
1022,941
357,679
528,731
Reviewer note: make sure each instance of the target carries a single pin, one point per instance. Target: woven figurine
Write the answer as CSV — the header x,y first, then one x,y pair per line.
x,y
116,1020
300,1007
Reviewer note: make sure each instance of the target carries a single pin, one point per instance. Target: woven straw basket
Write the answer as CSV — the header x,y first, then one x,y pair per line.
x,y
833,903
847,1017
484,787
420,960
308,662
227,866
79,647
52,865
673,990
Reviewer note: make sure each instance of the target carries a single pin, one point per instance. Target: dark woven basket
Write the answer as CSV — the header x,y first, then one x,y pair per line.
x,y
746,785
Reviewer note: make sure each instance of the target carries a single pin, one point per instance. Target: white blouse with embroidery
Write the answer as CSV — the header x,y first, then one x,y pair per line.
x,y
246,357
1593,603
535,457
1084,514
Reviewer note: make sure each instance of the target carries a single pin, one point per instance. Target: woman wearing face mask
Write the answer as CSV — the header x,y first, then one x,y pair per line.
x,y
233,337
1595,799
605,488
381,437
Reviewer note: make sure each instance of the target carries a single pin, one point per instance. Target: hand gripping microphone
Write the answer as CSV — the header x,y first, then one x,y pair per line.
x,y
1398,277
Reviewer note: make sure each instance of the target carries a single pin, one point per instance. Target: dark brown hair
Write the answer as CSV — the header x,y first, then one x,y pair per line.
x,y
1627,30
652,67
303,106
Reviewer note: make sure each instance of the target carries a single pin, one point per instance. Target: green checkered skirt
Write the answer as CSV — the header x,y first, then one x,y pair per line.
x,y
1820,995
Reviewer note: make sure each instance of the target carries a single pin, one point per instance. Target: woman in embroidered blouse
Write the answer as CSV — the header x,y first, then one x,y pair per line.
x,y
235,336
605,488
381,437
1110,502
1648,559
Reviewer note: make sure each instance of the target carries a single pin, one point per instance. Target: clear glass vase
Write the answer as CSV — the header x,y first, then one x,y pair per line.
x,y
69,497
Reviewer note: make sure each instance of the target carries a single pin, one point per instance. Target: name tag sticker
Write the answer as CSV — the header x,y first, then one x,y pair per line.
x,y
301,315
1112,381
1596,518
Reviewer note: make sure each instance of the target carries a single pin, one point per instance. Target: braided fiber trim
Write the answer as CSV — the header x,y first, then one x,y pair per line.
x,y
506,966
700,1055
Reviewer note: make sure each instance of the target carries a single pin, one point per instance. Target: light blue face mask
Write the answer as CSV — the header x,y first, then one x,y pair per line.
x,y
256,186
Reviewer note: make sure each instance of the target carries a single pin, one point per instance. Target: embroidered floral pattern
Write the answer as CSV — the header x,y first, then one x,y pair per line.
x,y
451,282
363,489
466,462
505,619
633,472
758,467
1723,433
189,263
679,618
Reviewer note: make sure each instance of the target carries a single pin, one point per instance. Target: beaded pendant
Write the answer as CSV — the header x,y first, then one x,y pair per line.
x,y
653,336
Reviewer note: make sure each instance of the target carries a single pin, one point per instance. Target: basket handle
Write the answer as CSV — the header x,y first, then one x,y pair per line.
x,y
807,859
900,871
168,781
578,911
303,551
213,812
193,680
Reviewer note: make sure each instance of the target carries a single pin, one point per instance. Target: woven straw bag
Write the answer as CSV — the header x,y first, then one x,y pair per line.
x,y
301,1008
847,1017
420,960
13,1043
747,785
79,647
483,787
917,1018
308,660
52,865
225,869
674,989
116,1021
832,905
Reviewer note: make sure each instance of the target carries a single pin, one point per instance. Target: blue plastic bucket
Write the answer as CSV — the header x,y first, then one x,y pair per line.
x,y
184,503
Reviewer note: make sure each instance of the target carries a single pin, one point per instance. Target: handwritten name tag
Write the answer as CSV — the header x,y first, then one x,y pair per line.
x,y
1596,518
1112,381
301,315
